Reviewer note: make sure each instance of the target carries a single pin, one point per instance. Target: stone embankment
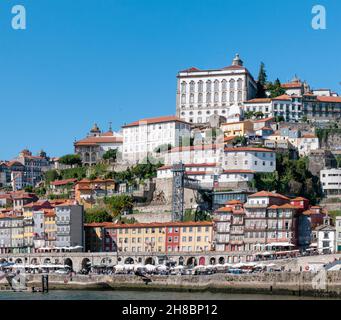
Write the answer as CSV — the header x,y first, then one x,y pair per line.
x,y
293,283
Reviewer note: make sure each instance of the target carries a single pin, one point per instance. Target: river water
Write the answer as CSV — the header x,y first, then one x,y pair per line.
x,y
140,295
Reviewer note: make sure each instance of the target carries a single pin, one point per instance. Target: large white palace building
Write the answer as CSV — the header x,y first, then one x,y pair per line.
x,y
202,93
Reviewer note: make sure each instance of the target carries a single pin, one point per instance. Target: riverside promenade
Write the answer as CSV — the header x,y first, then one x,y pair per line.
x,y
78,260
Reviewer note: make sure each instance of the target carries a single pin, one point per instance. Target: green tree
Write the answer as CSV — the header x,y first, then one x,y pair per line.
x,y
51,175
119,204
110,155
249,114
275,89
71,159
97,215
240,140
261,83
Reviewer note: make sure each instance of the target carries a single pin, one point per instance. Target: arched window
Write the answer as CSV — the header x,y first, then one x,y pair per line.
x,y
216,97
231,96
224,85
240,84
223,96
208,86
199,113
191,113
192,86
183,98
208,112
216,85
183,87
200,98
232,84
191,98
200,86
208,97
240,98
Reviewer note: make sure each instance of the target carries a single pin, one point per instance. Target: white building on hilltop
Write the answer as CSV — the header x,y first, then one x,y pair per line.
x,y
202,93
142,138
331,182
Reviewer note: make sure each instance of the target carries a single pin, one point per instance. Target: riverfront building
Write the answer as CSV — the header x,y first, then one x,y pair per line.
x,y
149,237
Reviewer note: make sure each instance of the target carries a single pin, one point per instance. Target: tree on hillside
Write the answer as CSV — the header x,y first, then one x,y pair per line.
x,y
71,160
97,215
110,155
261,83
275,89
119,204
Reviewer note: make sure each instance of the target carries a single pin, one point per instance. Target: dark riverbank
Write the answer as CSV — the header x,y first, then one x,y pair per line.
x,y
286,284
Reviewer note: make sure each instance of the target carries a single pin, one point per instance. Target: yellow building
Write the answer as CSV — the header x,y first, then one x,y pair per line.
x,y
150,237
50,227
237,128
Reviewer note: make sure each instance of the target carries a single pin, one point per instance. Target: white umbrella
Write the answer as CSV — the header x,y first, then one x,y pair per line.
x,y
119,267
219,265
210,266
150,267
271,265
227,264
162,267
199,267
137,266
179,267
129,266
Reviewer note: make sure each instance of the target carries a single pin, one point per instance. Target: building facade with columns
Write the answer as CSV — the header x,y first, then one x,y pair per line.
x,y
202,93
92,148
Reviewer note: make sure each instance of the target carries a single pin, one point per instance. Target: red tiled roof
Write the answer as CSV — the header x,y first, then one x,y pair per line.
x,y
259,100
154,121
225,209
246,149
292,85
100,139
192,69
238,171
232,202
263,120
283,97
268,194
150,225
329,99
299,199
63,182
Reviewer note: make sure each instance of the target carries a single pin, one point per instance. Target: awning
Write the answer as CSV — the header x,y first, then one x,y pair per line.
x,y
280,244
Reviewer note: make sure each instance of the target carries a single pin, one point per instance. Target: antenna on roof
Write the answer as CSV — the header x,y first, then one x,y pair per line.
x,y
110,126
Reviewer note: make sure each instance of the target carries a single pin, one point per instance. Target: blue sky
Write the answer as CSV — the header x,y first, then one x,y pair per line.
x,y
85,61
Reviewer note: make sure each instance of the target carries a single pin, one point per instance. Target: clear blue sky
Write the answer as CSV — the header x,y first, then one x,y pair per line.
x,y
86,61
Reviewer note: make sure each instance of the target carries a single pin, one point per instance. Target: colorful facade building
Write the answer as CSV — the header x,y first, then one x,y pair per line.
x,y
87,191
150,237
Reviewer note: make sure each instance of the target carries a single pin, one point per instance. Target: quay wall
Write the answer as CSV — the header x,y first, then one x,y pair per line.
x,y
293,283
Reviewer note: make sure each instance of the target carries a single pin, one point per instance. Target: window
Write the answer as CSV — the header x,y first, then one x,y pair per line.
x,y
200,100
208,97
224,85
200,86
192,86
183,87
232,84
231,96
208,86
216,97
216,85
183,98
